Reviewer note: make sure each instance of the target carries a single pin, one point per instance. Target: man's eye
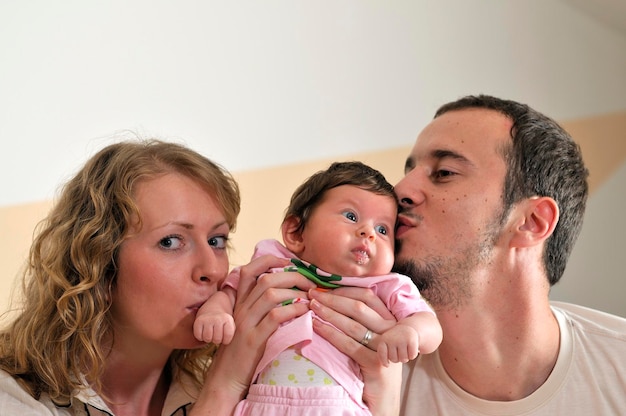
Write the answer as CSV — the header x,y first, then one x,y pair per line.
x,y
381,229
218,242
350,215
171,242
443,174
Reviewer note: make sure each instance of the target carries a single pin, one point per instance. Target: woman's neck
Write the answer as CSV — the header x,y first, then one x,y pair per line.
x,y
136,379
133,390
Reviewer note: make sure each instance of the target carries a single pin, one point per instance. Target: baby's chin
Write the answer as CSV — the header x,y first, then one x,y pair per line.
x,y
363,270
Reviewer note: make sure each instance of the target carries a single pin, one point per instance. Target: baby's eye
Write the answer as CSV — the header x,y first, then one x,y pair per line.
x,y
171,242
218,242
381,229
350,215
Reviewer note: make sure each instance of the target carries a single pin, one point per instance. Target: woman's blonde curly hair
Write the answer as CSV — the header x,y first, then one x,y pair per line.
x,y
59,334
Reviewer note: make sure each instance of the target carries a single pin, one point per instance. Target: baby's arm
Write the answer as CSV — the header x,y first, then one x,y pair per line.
x,y
214,321
417,333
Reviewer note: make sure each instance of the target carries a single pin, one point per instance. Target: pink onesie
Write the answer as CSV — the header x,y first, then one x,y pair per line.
x,y
397,292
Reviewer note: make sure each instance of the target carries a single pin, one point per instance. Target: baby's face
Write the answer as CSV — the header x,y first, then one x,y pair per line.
x,y
351,233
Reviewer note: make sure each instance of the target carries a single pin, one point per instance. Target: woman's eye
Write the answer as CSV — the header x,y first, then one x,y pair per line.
x,y
218,242
350,215
381,229
171,242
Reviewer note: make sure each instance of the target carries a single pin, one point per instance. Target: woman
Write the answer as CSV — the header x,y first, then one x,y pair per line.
x,y
134,245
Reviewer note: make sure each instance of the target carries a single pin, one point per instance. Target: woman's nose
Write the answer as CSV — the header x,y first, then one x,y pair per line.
x,y
204,275
209,269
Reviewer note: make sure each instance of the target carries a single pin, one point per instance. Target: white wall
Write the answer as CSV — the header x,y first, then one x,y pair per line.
x,y
257,83
260,83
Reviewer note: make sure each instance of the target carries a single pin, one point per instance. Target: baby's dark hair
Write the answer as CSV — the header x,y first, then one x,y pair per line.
x,y
311,192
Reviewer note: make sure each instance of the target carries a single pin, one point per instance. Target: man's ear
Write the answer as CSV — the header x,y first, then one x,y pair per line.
x,y
292,236
539,218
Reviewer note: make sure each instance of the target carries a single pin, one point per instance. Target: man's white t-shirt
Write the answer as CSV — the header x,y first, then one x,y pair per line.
x,y
589,377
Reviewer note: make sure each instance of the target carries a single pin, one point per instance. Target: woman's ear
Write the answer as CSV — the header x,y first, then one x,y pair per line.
x,y
540,216
292,235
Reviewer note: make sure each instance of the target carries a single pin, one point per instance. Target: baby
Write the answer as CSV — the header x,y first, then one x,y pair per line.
x,y
338,231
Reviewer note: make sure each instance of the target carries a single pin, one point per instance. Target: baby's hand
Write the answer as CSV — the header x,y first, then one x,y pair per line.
x,y
399,344
215,327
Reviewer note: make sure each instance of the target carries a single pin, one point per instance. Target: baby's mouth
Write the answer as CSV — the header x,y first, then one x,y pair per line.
x,y
361,256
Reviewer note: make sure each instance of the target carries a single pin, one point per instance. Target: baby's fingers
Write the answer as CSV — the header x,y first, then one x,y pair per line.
x,y
383,354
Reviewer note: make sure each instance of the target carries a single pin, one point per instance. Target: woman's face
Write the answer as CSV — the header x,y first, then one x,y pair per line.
x,y
170,266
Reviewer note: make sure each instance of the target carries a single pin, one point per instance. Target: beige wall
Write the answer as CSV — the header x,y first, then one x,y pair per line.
x,y
601,139
16,229
266,193
603,142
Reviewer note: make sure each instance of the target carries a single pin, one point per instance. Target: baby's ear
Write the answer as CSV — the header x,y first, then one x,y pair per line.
x,y
292,235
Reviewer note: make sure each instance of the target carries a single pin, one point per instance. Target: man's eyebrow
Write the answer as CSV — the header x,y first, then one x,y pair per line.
x,y
449,154
438,154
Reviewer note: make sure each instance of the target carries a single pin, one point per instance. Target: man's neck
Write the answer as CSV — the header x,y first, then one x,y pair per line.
x,y
503,353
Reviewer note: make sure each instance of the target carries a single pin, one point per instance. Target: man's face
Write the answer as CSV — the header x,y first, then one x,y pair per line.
x,y
451,199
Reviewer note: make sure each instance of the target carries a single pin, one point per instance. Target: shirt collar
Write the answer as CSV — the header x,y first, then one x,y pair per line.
x,y
181,394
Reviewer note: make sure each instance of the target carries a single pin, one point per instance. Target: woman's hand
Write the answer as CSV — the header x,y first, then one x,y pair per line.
x,y
355,311
256,318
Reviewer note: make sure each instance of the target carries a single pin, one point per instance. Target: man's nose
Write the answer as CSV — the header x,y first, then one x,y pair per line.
x,y
410,190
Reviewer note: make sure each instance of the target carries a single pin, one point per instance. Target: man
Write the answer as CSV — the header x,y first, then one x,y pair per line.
x,y
491,204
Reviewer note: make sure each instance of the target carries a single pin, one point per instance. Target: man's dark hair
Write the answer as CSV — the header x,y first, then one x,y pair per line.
x,y
543,160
